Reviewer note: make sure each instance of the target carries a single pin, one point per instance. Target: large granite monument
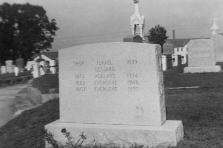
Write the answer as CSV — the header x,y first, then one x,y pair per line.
x,y
112,94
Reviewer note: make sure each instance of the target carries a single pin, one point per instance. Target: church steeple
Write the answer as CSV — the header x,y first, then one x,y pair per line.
x,y
214,27
137,21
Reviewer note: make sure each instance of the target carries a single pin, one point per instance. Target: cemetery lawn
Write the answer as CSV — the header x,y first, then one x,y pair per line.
x,y
27,130
46,83
204,80
5,78
201,111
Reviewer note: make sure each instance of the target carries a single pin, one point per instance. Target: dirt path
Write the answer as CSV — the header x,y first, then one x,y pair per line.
x,y
7,95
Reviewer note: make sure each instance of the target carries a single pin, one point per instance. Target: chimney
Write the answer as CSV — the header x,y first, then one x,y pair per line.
x,y
174,36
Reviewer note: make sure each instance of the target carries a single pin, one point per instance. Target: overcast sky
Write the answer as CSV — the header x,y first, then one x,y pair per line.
x,y
86,21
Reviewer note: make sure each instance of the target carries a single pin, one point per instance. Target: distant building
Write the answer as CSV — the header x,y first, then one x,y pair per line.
x,y
52,57
43,63
168,48
180,51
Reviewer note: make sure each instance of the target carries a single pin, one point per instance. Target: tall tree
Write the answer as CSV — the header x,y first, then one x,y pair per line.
x,y
25,30
157,35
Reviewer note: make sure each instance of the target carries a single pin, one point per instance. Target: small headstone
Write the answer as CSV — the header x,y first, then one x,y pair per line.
x,y
9,66
35,70
3,69
201,56
113,91
16,71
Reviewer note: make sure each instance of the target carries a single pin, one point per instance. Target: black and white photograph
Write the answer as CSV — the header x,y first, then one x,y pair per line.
x,y
111,73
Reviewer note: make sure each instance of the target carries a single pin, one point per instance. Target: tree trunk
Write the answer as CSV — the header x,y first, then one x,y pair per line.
x,y
161,49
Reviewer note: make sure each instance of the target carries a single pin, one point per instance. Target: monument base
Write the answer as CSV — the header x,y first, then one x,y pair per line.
x,y
216,68
169,134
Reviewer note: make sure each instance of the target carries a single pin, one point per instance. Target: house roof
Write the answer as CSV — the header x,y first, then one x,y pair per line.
x,y
168,48
51,55
178,42
170,44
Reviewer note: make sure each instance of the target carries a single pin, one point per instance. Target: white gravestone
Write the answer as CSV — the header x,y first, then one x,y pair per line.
x,y
9,66
201,57
16,71
35,70
113,91
3,70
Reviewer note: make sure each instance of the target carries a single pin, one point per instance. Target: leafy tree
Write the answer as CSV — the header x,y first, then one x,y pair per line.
x,y
24,30
157,35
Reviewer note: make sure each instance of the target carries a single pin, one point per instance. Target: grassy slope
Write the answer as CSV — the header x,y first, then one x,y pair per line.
x,y
27,130
200,110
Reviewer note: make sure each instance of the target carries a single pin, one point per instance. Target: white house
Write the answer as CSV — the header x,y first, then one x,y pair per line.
x,y
180,51
44,63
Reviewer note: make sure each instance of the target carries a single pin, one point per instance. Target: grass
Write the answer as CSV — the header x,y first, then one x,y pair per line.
x,y
209,80
200,110
27,130
46,83
11,75
11,79
202,114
